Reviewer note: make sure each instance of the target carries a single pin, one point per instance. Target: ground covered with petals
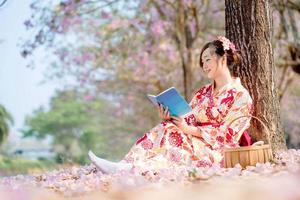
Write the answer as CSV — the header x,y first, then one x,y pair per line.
x,y
277,180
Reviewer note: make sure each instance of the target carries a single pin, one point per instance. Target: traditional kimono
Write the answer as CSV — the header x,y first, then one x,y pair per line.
x,y
165,145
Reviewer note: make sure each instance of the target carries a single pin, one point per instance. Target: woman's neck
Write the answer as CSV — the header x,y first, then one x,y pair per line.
x,y
222,80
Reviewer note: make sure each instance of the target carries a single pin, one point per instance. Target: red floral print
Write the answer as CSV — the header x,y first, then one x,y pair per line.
x,y
228,101
163,141
230,97
175,139
147,144
229,135
141,139
190,120
220,139
209,114
203,163
175,156
164,123
201,94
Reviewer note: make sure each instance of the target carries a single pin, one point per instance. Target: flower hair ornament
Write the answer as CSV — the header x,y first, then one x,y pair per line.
x,y
226,43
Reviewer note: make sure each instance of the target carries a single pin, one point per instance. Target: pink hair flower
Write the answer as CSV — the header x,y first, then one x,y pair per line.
x,y
226,43
232,47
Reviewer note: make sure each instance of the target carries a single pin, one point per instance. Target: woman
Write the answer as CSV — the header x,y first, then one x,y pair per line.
x,y
199,139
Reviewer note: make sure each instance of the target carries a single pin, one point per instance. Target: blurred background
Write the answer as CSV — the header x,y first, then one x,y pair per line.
x,y
74,74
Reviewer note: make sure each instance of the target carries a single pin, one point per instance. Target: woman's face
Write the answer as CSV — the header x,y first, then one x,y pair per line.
x,y
212,65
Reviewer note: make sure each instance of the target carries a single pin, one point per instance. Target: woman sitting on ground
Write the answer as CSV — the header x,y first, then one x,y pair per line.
x,y
199,139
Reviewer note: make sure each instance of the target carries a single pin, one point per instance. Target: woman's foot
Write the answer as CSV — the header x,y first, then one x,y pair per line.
x,y
106,166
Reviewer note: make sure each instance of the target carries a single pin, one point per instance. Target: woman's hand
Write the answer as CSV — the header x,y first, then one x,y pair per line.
x,y
187,129
181,124
164,114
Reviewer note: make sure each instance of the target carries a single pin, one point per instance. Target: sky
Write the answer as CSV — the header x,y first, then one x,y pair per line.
x,y
21,90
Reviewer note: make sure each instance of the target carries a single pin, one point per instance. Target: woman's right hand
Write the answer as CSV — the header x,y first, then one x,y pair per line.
x,y
164,114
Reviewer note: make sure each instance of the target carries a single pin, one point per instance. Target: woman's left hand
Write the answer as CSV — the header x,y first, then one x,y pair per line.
x,y
181,124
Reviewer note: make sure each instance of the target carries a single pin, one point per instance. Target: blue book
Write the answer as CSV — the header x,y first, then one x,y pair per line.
x,y
172,99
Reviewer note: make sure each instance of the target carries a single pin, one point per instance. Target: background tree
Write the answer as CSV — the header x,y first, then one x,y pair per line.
x,y
5,120
77,123
149,43
286,38
248,24
2,2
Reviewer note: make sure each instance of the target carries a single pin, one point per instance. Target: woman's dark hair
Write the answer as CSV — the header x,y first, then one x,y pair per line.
x,y
233,58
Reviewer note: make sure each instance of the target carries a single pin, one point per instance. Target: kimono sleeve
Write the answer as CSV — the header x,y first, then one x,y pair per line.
x,y
227,132
193,101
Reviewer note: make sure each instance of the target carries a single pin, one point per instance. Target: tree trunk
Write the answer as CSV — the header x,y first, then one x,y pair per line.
x,y
248,25
185,49
187,63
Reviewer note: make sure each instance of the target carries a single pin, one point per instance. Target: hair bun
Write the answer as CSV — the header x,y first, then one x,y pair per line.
x,y
237,58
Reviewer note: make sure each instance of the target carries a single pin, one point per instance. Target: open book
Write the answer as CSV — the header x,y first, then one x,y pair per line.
x,y
171,98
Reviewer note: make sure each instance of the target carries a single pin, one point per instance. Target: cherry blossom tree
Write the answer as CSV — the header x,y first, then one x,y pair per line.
x,y
125,49
287,45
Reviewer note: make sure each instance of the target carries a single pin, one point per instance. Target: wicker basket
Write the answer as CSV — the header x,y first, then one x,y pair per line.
x,y
248,155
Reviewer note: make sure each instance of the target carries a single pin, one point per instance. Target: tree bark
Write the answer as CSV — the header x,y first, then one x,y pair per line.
x,y
248,25
185,43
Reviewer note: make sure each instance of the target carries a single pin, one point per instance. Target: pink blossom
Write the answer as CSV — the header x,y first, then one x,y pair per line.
x,y
88,98
87,57
157,28
144,59
106,15
167,10
81,180
118,23
65,24
192,26
187,2
154,14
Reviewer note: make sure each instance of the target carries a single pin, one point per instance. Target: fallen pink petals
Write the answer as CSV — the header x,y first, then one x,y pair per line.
x,y
86,180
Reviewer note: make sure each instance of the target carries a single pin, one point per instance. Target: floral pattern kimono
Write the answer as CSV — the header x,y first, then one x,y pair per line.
x,y
165,145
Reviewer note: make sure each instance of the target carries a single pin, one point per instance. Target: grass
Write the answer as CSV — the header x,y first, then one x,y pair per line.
x,y
17,165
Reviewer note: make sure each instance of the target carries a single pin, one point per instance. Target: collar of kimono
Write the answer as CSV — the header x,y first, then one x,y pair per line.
x,y
235,81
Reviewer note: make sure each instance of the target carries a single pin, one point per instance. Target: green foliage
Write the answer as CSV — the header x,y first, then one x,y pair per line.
x,y
5,120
